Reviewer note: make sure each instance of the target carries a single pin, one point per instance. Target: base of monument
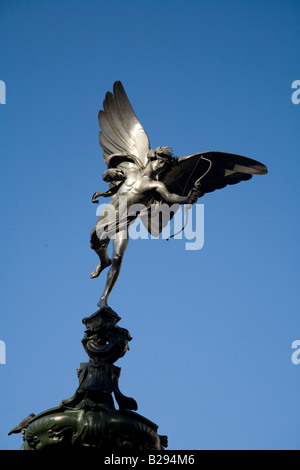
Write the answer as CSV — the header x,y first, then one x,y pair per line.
x,y
89,418
115,430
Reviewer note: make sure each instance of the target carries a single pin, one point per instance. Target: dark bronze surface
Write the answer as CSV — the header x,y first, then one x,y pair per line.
x,y
89,418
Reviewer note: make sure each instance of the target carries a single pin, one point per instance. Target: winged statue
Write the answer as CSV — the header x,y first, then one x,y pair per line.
x,y
142,179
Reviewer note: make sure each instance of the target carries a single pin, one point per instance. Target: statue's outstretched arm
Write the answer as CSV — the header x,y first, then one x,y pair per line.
x,y
172,198
113,174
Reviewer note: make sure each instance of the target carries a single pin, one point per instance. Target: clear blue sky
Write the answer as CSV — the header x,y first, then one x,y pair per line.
x,y
210,361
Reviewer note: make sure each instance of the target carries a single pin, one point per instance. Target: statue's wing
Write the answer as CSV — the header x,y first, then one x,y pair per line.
x,y
121,132
156,216
214,169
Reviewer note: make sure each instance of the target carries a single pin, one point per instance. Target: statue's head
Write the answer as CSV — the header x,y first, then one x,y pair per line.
x,y
161,159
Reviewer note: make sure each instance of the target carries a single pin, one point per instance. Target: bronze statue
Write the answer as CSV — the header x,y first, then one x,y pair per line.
x,y
141,179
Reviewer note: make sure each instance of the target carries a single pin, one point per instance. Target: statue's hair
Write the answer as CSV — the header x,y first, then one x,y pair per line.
x,y
164,151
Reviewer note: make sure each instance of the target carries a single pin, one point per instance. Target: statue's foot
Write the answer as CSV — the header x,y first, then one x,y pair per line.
x,y
100,268
102,303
